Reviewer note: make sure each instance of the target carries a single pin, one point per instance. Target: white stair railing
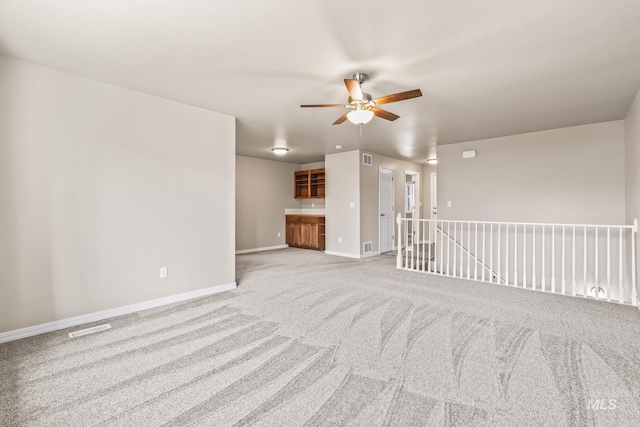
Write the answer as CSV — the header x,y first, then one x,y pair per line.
x,y
583,260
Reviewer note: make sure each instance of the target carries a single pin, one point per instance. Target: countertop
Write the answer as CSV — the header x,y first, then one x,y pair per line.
x,y
304,212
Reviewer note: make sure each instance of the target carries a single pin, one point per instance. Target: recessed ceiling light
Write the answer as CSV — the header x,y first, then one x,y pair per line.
x,y
338,147
432,161
280,150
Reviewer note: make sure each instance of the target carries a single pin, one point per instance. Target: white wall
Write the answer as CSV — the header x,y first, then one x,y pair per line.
x,y
343,188
632,163
264,189
569,175
100,187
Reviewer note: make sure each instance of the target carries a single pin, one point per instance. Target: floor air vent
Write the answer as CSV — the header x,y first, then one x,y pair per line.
x,y
88,331
366,247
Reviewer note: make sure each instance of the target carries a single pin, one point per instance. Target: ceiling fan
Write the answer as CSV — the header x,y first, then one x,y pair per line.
x,y
363,108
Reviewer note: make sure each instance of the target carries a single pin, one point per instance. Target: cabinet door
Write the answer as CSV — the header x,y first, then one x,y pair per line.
x,y
305,235
290,233
297,232
313,236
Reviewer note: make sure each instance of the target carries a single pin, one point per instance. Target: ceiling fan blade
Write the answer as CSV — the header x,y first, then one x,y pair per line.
x,y
324,106
354,89
384,114
341,119
398,97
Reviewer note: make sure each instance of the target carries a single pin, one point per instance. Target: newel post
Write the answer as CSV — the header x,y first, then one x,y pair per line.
x,y
399,241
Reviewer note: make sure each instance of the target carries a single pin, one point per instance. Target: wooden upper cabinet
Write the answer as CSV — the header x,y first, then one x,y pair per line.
x,y
309,184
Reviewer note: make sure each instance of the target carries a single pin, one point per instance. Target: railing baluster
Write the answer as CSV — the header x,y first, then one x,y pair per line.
x,y
597,287
483,256
441,250
634,277
475,254
499,254
506,252
620,290
544,283
432,229
524,256
515,256
461,247
573,264
399,243
448,247
585,291
608,263
422,243
455,238
468,250
533,263
553,259
491,252
564,287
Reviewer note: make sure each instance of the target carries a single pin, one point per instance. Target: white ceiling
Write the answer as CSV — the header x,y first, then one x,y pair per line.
x,y
486,68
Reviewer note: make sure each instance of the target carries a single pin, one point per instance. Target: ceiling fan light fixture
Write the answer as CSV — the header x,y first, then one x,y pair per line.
x,y
360,117
280,150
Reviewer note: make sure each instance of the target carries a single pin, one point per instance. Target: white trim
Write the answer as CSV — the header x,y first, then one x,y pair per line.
x,y
112,312
342,254
266,248
355,256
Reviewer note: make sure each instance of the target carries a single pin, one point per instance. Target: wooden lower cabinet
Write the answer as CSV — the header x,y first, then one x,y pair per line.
x,y
305,231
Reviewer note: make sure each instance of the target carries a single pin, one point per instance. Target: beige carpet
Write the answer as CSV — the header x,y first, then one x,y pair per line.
x,y
311,339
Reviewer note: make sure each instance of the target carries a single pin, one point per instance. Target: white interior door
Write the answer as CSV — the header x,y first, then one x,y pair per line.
x,y
386,209
434,204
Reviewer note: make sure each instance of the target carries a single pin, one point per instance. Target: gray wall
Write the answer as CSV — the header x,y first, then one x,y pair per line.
x,y
343,188
369,194
100,187
264,189
632,159
569,175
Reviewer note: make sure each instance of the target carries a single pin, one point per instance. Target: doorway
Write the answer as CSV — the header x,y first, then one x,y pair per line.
x,y
386,208
434,203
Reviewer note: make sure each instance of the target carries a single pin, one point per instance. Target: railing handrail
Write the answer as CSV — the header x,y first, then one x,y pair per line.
x,y
546,224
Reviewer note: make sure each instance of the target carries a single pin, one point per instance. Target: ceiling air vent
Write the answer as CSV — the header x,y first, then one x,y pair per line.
x,y
367,159
366,247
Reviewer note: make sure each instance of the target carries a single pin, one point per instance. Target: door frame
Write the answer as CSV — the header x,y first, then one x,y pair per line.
x,y
393,220
434,202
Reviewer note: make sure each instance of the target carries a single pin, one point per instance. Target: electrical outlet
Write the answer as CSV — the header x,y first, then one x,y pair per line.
x,y
339,239
278,234
313,205
164,272
449,204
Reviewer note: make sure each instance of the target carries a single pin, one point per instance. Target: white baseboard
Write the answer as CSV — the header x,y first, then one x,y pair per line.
x,y
356,256
370,254
112,312
266,248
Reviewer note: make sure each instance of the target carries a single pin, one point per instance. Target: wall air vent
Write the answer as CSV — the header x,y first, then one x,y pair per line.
x,y
367,247
88,331
367,159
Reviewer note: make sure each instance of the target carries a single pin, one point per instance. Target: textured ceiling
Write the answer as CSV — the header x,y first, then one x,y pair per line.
x,y
486,68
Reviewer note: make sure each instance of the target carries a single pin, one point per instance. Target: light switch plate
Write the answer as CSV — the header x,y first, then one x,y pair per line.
x,y
164,272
